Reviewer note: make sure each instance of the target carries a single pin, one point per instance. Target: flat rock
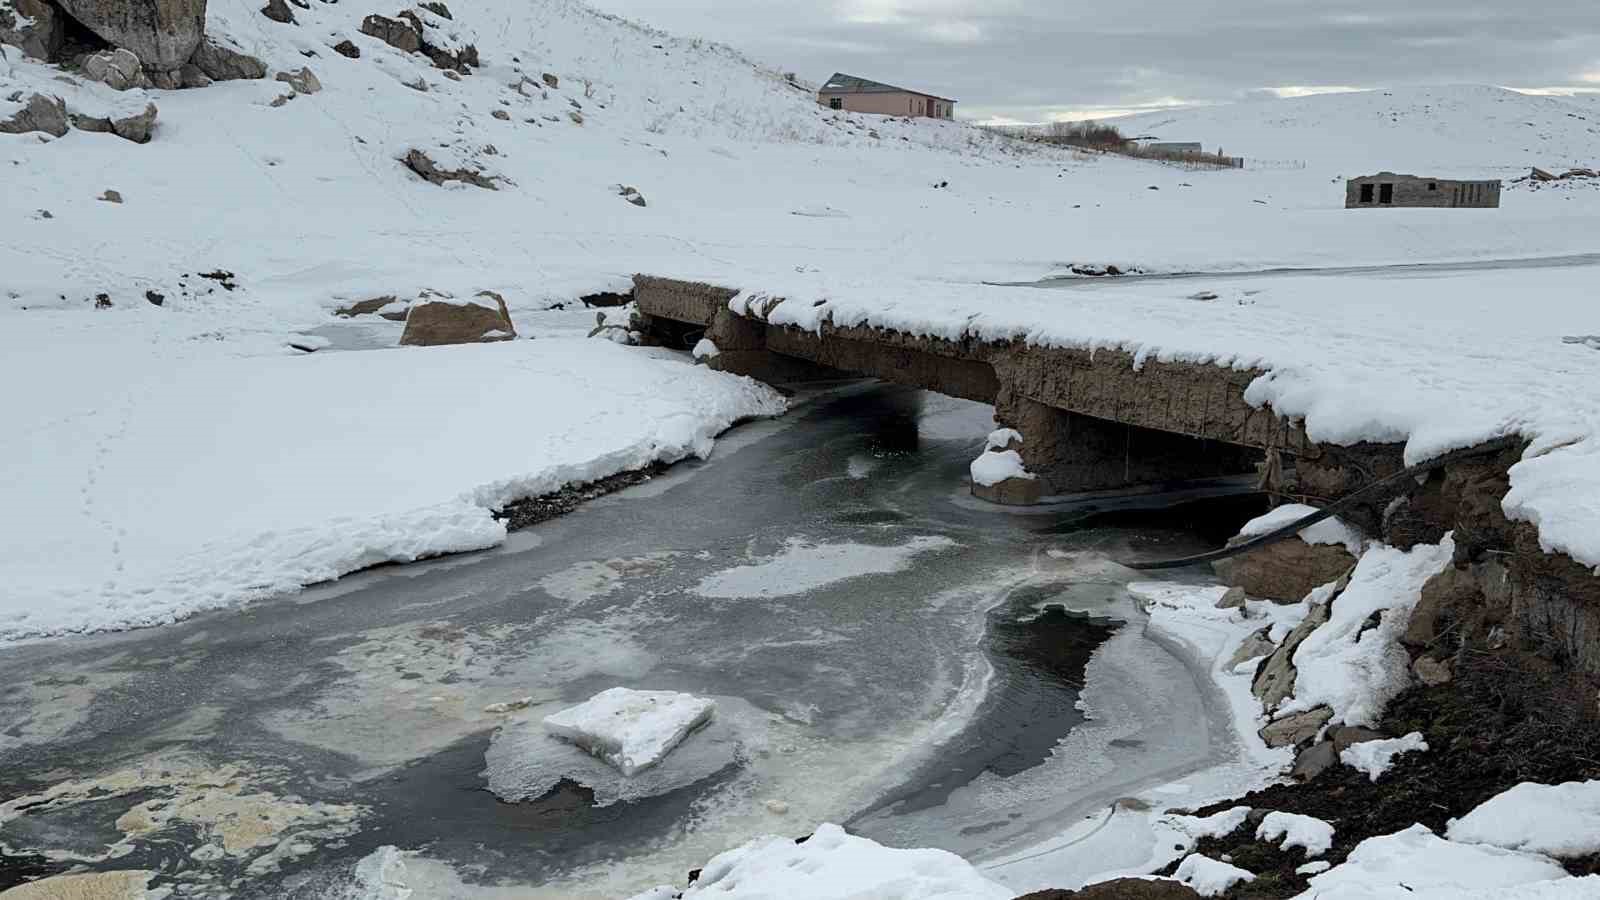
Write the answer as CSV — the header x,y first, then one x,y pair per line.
x,y
1274,680
1296,727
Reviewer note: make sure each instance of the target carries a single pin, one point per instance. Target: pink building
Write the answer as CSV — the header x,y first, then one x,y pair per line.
x,y
860,95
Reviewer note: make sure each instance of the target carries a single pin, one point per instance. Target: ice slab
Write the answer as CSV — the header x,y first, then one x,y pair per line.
x,y
632,730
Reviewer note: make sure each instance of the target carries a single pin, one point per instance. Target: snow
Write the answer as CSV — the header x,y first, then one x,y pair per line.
x,y
1315,867
1418,863
1329,531
200,479
632,730
1375,757
1215,825
705,349
1309,833
1210,877
1001,438
1353,669
803,566
834,865
1560,820
995,466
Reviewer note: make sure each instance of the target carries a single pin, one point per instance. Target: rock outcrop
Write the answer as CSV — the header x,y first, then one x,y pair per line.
x,y
438,318
34,26
1285,571
408,33
1121,889
162,33
421,163
22,113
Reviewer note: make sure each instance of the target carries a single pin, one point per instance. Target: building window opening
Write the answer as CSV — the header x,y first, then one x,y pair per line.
x,y
1433,185
1366,193
836,103
1386,193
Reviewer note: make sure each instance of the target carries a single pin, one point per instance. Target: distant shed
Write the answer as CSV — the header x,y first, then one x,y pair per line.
x,y
850,92
1389,189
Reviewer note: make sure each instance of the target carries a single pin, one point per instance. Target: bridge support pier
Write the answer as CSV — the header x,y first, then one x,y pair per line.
x,y
1071,452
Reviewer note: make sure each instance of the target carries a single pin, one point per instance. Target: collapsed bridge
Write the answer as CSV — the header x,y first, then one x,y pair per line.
x,y
1094,420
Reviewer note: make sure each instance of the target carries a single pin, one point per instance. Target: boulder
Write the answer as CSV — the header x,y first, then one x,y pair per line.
x,y
33,26
135,127
162,33
399,34
278,11
20,114
193,77
550,80
221,62
117,69
1234,598
438,318
1121,889
1285,571
166,81
422,164
1274,679
347,49
1296,728
1346,736
1314,760
303,81
1255,646
111,196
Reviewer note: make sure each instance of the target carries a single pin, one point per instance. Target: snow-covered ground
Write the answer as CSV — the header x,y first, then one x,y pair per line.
x,y
745,181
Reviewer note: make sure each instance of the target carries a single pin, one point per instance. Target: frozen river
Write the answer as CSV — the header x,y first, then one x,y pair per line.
x,y
885,652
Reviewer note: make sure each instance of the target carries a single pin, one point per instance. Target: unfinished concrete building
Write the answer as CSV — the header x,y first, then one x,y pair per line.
x,y
1386,189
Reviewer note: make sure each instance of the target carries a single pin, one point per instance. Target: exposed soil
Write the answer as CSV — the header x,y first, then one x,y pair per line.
x,y
1504,719
531,511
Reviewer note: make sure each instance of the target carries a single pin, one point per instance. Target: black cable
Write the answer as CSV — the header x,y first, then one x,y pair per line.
x,y
1333,509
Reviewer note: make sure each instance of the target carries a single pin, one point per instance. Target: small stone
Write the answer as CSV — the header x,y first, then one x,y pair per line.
x,y
451,74
102,301
347,49
508,706
1431,672
45,214
550,80
502,115
155,298
1234,598
575,116
136,128
281,100
111,196
777,807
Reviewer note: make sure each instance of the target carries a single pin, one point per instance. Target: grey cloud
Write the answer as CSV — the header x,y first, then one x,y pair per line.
x,y
1028,58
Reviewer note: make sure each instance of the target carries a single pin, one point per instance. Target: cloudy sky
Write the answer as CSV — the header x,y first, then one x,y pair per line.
x,y
1035,60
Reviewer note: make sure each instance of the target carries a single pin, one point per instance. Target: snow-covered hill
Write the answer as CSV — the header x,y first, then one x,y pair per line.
x,y
257,209
1465,130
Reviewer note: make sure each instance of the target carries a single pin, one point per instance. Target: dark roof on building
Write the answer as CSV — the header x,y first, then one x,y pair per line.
x,y
841,83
